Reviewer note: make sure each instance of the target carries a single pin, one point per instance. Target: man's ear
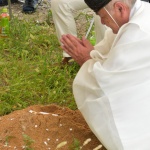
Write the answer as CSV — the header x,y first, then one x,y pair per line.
x,y
120,7
122,10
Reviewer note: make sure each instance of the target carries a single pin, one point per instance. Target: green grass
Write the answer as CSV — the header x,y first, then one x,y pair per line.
x,y
30,70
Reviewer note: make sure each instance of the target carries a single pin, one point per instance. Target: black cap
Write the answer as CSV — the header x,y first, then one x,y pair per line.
x,y
96,5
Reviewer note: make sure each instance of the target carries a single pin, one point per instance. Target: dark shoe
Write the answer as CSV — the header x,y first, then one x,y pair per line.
x,y
30,6
5,2
67,60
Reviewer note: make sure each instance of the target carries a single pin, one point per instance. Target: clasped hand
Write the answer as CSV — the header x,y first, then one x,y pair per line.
x,y
78,49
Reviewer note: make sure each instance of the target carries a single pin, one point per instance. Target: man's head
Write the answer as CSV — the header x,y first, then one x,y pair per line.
x,y
113,13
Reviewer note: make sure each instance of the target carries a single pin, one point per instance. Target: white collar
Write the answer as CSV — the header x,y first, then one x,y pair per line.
x,y
135,7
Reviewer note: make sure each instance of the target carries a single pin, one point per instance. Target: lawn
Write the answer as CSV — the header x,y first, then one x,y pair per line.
x,y
30,65
31,70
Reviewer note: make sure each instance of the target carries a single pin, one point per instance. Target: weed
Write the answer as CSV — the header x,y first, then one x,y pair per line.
x,y
28,142
7,139
75,145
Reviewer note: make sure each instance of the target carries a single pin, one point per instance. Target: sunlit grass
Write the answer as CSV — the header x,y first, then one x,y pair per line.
x,y
30,65
30,70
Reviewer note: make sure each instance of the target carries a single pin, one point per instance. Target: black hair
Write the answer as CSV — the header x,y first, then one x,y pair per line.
x,y
96,5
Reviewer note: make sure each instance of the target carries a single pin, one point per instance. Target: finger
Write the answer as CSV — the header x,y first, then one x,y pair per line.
x,y
71,43
65,44
75,38
76,42
86,43
66,50
68,41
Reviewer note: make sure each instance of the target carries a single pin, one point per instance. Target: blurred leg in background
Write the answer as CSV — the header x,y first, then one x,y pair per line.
x,y
62,11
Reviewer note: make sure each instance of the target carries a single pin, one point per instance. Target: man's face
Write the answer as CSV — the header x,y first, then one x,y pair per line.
x,y
119,16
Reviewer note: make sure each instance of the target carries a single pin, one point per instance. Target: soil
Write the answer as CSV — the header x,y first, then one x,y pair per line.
x,y
45,127
40,15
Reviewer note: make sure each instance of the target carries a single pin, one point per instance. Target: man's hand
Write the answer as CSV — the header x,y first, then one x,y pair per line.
x,y
78,49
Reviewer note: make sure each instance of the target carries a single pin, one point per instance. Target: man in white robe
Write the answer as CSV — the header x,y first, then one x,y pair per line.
x,y
112,87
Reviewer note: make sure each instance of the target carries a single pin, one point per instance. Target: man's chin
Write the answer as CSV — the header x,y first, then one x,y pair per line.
x,y
115,32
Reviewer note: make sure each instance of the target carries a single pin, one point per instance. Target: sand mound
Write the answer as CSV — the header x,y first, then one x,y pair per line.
x,y
46,128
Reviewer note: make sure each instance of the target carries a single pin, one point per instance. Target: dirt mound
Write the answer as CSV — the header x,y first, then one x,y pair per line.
x,y
46,128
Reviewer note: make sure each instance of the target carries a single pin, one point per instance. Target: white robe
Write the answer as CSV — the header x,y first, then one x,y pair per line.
x,y
112,90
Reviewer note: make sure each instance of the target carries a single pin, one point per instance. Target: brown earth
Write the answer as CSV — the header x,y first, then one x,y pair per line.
x,y
40,15
46,128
